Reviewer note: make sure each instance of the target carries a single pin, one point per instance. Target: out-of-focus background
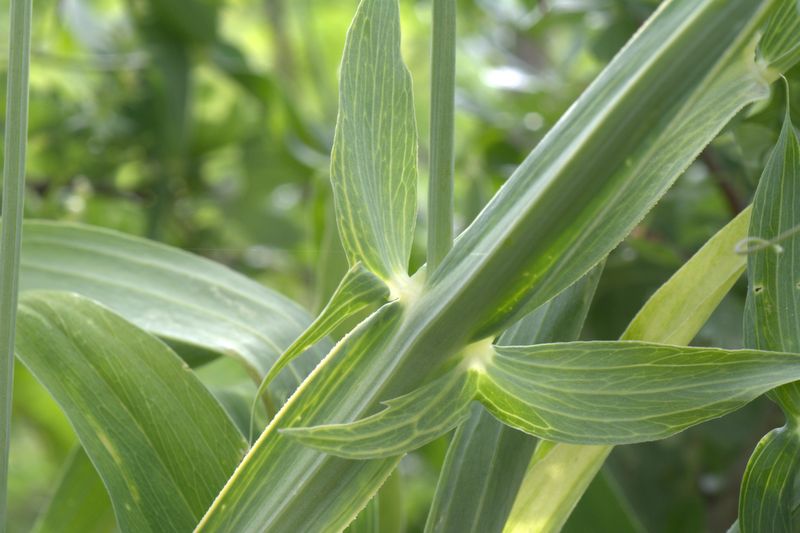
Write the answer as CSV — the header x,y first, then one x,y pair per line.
x,y
207,124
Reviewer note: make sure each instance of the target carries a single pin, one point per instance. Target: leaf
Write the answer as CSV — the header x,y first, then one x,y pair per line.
x,y
624,392
487,460
358,290
374,159
277,462
772,322
80,503
542,504
597,174
407,423
182,298
772,310
695,295
161,443
664,318
780,46
767,498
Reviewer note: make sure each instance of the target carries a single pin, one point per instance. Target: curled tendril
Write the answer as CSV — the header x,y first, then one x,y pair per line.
x,y
756,244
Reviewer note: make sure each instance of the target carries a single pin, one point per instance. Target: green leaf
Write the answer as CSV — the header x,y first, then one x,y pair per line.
x,y
486,460
691,295
407,423
182,298
80,503
772,312
558,476
359,290
374,159
680,307
767,498
780,46
772,322
163,446
624,392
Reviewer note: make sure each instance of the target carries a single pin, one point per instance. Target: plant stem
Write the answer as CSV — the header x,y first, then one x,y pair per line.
x,y
440,193
16,130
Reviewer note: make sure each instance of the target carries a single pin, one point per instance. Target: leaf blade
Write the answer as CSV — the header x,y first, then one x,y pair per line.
x,y
624,392
766,502
374,159
162,444
175,295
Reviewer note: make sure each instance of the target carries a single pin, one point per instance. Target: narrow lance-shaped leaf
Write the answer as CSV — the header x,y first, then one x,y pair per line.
x,y
772,322
625,392
772,311
198,305
653,109
374,159
359,290
407,423
674,314
487,460
161,443
768,496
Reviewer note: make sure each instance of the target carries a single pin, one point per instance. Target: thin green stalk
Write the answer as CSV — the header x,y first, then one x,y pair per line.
x,y
16,131
440,192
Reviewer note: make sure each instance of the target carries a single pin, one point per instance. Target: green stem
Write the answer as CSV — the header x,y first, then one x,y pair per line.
x,y
16,131
440,193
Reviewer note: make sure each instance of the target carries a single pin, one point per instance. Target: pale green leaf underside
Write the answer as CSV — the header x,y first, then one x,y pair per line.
x,y
359,290
183,298
407,423
161,443
767,498
374,159
625,392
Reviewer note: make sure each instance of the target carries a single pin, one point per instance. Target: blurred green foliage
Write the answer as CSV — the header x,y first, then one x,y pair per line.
x,y
207,124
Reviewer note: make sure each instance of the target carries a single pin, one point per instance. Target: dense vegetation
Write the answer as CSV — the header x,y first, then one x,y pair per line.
x,y
586,355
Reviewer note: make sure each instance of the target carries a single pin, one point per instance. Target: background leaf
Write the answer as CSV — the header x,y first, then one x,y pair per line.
x,y
180,297
163,446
